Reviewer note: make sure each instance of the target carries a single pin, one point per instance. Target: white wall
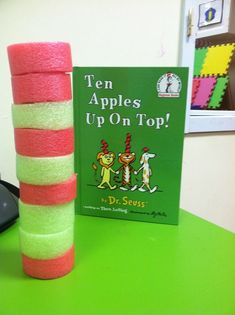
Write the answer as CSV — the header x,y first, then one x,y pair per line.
x,y
101,33
208,178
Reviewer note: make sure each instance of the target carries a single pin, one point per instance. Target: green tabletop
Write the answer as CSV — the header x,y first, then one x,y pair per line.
x,y
125,267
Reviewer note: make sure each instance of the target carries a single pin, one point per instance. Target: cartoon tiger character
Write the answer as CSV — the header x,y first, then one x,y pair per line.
x,y
126,159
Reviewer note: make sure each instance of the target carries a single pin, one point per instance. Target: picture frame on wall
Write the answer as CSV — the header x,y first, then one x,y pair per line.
x,y
210,13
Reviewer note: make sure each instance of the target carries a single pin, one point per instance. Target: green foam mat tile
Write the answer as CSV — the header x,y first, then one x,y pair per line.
x,y
200,54
217,96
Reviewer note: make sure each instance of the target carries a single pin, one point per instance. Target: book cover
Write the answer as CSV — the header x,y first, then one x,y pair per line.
x,y
129,131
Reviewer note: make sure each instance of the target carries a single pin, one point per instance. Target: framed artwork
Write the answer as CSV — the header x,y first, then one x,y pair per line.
x,y
210,13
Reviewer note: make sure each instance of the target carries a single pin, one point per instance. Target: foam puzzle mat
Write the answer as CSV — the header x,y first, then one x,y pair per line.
x,y
218,93
217,60
204,92
199,57
195,87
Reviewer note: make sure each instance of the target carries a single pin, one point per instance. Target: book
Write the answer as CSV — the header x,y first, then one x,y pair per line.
x,y
129,132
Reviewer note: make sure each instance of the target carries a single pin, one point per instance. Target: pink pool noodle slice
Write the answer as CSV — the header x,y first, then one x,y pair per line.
x,y
41,87
49,268
39,57
46,195
43,142
204,92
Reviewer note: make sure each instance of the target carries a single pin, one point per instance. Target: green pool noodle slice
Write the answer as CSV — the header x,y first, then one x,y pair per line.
x,y
46,246
44,171
46,219
218,93
199,58
53,116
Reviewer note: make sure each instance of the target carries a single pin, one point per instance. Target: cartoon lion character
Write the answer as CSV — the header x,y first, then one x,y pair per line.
x,y
106,159
126,159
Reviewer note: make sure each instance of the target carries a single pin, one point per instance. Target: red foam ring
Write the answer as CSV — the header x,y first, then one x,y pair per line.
x,y
44,143
49,268
49,194
39,57
41,87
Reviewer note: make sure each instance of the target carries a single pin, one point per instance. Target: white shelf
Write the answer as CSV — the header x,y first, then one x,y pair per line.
x,y
207,120
212,113
211,123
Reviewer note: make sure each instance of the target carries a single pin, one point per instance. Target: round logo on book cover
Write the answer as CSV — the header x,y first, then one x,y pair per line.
x,y
169,85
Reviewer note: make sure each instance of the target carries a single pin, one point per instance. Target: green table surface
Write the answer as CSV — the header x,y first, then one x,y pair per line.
x,y
127,267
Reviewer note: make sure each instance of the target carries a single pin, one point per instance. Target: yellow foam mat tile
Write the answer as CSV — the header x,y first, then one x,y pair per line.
x,y
218,59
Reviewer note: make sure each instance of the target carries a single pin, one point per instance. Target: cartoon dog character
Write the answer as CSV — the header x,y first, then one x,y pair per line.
x,y
146,170
106,159
126,159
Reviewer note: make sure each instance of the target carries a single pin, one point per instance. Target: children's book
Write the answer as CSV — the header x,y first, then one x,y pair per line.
x,y
129,131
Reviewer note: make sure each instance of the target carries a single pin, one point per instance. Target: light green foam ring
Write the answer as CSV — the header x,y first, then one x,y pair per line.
x,y
46,246
44,171
46,219
53,116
